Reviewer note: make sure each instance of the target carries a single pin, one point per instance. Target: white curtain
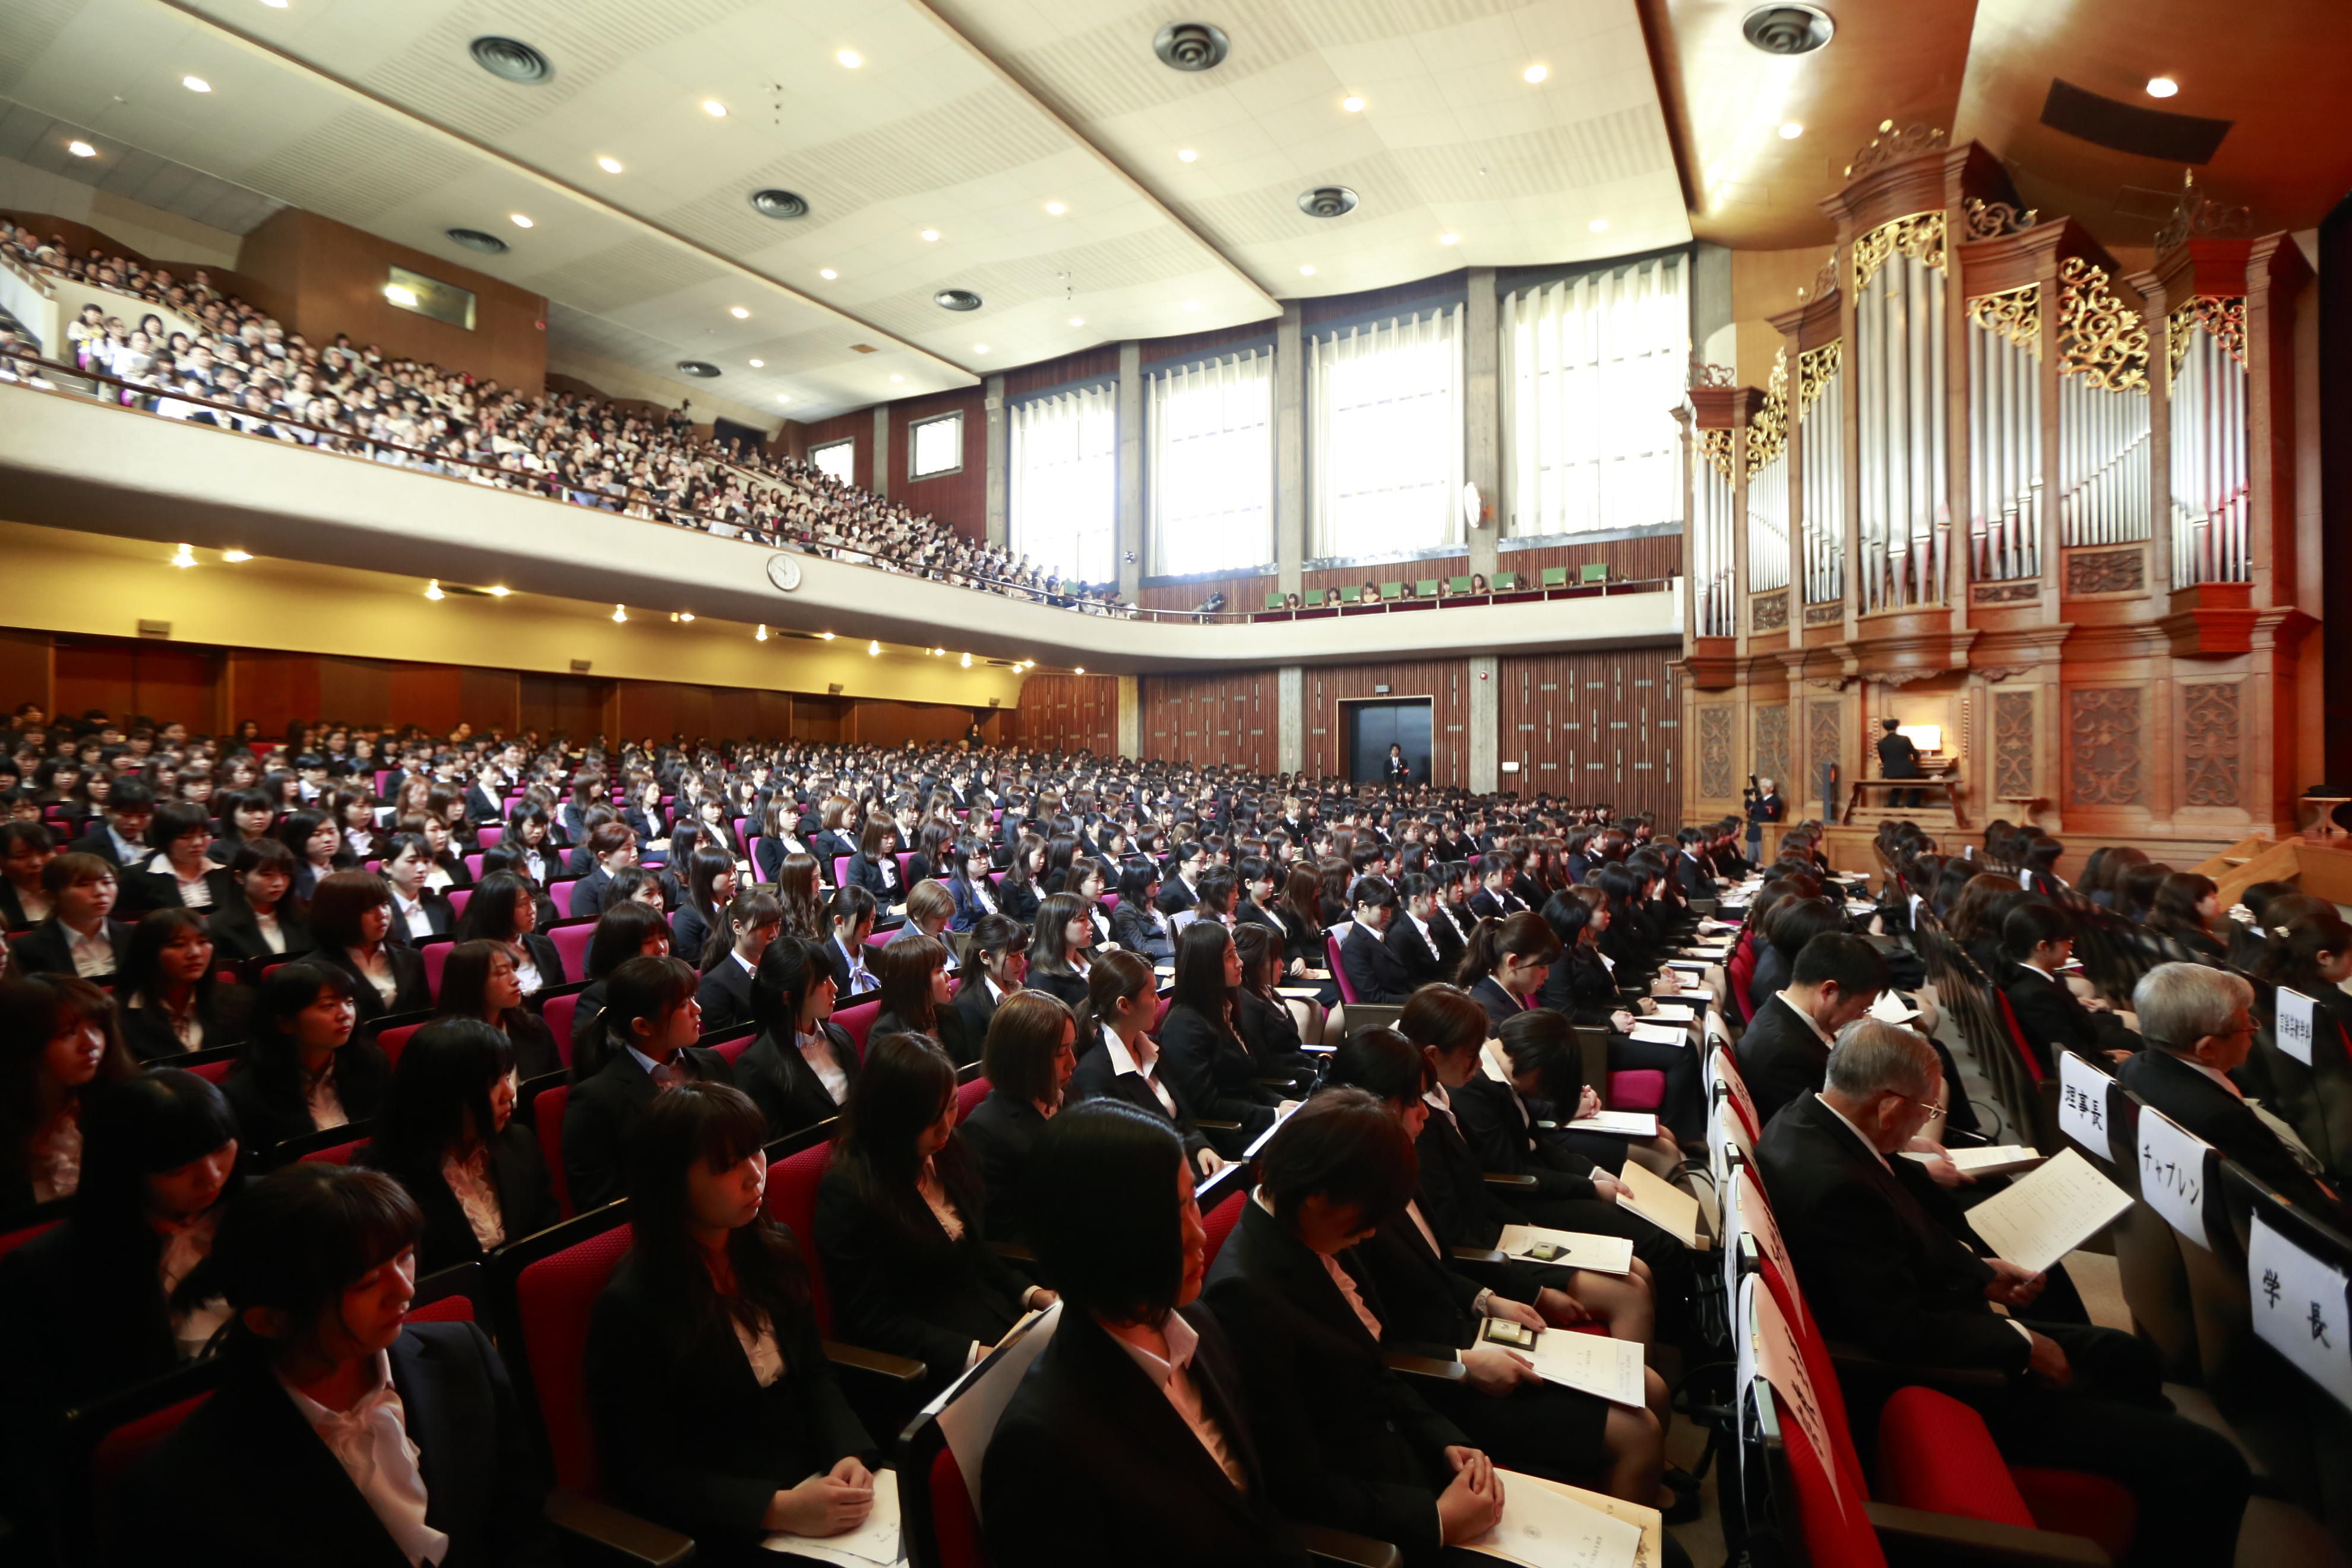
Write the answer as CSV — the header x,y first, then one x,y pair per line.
x,y
1385,449
1063,480
1211,429
840,460
1594,367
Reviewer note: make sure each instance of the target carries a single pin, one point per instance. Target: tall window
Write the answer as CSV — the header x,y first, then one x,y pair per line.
x,y
1592,366
1386,442
1065,482
838,459
935,446
1211,427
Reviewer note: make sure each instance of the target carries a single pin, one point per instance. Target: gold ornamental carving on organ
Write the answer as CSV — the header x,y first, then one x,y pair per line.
x,y
1815,369
2224,318
1991,220
1768,434
1715,446
2014,313
1919,237
2100,338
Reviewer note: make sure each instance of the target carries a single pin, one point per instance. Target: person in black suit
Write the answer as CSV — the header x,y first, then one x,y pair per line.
x,y
477,982
178,874
918,998
714,1408
799,1070
612,849
170,999
1030,1052
350,916
261,918
302,1070
874,867
1100,1457
80,936
1347,1442
2198,1026
851,914
502,911
1374,973
1889,1262
25,848
995,966
120,838
1420,938
651,1022
60,1048
1394,768
754,918
1119,1059
1693,874
1263,1017
1202,1055
317,1263
447,1134
901,1220
2038,940
1898,758
419,914
1786,1049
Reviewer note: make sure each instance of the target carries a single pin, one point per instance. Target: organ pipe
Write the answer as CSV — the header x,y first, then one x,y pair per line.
x,y
2005,435
1899,336
2211,484
1820,455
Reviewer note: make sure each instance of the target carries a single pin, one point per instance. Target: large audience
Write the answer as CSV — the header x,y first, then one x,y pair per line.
x,y
237,368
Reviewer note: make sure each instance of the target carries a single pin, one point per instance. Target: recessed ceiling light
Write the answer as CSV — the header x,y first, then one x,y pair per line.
x,y
897,379
1191,304
519,220
827,273
1790,130
243,555
195,84
499,590
1056,208
185,558
761,634
610,165
1186,156
758,364
620,614
783,397
931,234
1534,73
1077,321
825,636
1449,238
2162,87
1079,671
1599,225
432,590
403,297
82,149
851,58
873,650
1307,269
275,5
967,661
1351,103
980,348
686,615
713,108
739,313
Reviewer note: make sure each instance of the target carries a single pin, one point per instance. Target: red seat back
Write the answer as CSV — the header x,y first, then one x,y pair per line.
x,y
490,835
1637,1088
732,1049
340,1154
1339,970
560,894
857,1019
212,1072
474,868
133,1440
955,1528
556,1013
1741,971
840,870
547,1120
554,1298
11,1240
902,856
1219,1222
457,1308
459,898
2017,1037
391,1042
571,947
969,1094
1835,1531
792,1203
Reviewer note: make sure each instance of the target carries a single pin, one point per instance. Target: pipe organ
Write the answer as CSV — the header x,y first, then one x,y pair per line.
x,y
2109,643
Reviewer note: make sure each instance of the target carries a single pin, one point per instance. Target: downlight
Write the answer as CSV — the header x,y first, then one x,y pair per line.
x,y
1788,29
1327,200
956,300
782,204
475,239
697,367
1191,46
510,59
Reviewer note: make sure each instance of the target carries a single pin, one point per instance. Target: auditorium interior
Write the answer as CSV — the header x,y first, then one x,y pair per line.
x,y
1616,498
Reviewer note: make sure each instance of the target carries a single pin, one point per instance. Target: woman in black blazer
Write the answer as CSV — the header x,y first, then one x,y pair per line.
x,y
447,1134
1121,1061
477,982
714,1410
351,915
803,1067
503,911
874,867
1507,962
321,1252
1263,1018
1203,1058
918,998
25,848
901,1221
303,1071
1018,895
1031,1050
1090,1463
169,998
261,918
179,875
58,1048
1057,949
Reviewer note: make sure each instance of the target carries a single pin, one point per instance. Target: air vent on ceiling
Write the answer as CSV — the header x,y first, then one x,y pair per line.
x,y
1327,201
510,59
1788,29
1191,46
2128,128
956,300
780,203
699,367
864,349
475,239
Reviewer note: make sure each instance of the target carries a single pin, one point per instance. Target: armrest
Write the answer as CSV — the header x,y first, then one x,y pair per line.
x,y
1208,1126
616,1534
897,1368
1271,1082
1497,1179
1914,1535
1011,1252
1425,1366
1338,1546
1485,1255
1849,1357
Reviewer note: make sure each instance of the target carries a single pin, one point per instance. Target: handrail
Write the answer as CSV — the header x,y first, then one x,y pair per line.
x,y
31,275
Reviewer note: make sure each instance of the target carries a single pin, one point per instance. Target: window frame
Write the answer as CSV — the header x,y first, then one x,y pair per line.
x,y
824,447
914,445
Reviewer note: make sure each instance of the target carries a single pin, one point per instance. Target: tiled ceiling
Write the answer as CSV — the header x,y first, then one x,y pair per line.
x,y
41,140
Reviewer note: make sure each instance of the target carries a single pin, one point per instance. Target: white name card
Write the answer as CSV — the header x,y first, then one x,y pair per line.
x,y
2301,1308
2294,1024
2083,1104
2175,1168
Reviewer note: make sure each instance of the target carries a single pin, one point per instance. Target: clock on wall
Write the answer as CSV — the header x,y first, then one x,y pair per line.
x,y
784,572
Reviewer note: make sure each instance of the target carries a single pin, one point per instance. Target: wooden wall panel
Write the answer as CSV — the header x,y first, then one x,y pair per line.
x,y
1083,365
880,723
1220,718
1446,681
427,695
1241,593
575,705
1346,577
25,673
1068,713
1593,727
959,500
1645,559
130,679
353,691
273,689
821,719
490,698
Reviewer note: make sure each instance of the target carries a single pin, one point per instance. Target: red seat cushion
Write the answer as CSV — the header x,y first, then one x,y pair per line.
x,y
1637,1088
1934,1453
554,1298
969,1095
792,1203
556,1013
2076,1502
857,1019
955,1528
547,1121
1219,1223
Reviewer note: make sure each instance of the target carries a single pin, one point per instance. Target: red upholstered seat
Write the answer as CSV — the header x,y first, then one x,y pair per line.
x,y
554,1298
2076,1502
556,1013
452,1308
211,1072
792,1203
340,1154
1219,1222
732,1049
1637,1088
490,835
547,1120
391,1042
1741,971
2017,1037
1934,1453
1339,970
560,894
955,1528
134,1439
840,870
571,947
857,1019
1830,1522
459,898
11,1240
970,1094
435,955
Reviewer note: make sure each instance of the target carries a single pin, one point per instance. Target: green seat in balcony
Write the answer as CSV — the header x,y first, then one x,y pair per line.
x,y
1594,571
1457,584
1506,582
1555,576
1273,601
1426,588
1392,591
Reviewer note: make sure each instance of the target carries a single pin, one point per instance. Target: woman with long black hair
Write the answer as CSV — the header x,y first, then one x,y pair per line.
x,y
302,1070
799,1070
58,1047
478,982
170,998
447,1134
1200,1052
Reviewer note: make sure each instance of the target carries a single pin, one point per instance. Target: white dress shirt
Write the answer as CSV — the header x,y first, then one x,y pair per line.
x,y
93,955
1143,1061
1172,1374
469,1183
370,1441
195,894
817,1049
410,913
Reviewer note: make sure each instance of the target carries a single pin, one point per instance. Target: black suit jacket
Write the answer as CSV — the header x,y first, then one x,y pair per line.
x,y
1898,758
1781,1058
602,1108
99,841
1213,1075
44,949
1094,1077
946,1033
785,1088
246,1483
225,1016
1484,905
1418,956
978,1007
2053,1018
143,890
589,890
1004,1132
1884,1262
725,995
1345,1441
1374,974
1271,1033
409,992
236,935
1091,1465
440,920
690,1440
518,1177
921,1295
264,1122
2224,1120
1695,877
482,807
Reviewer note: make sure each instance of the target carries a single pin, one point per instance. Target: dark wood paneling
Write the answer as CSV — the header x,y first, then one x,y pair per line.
x,y
1220,718
131,680
959,500
573,704
25,675
884,723
1241,593
1068,713
428,695
820,718
353,691
1346,577
1334,307
1446,682
1593,727
1083,365
1645,559
490,698
1184,343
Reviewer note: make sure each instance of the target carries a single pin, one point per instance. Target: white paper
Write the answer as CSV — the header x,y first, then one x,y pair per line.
x,y
1994,1160
1660,1034
1601,1254
2083,1104
969,1420
2295,1023
2173,1166
1890,1008
1688,965
1624,1123
2044,1216
1673,1013
877,1543
1541,1528
1648,1521
2301,1308
1591,1364
1669,1208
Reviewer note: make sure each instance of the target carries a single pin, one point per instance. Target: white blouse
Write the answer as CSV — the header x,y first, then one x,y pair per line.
x,y
469,1183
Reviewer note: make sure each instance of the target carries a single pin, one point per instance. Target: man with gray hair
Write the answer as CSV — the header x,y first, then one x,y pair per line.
x,y
1886,1261
2199,1024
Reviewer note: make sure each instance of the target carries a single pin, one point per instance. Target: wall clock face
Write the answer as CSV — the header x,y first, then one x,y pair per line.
x,y
784,572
